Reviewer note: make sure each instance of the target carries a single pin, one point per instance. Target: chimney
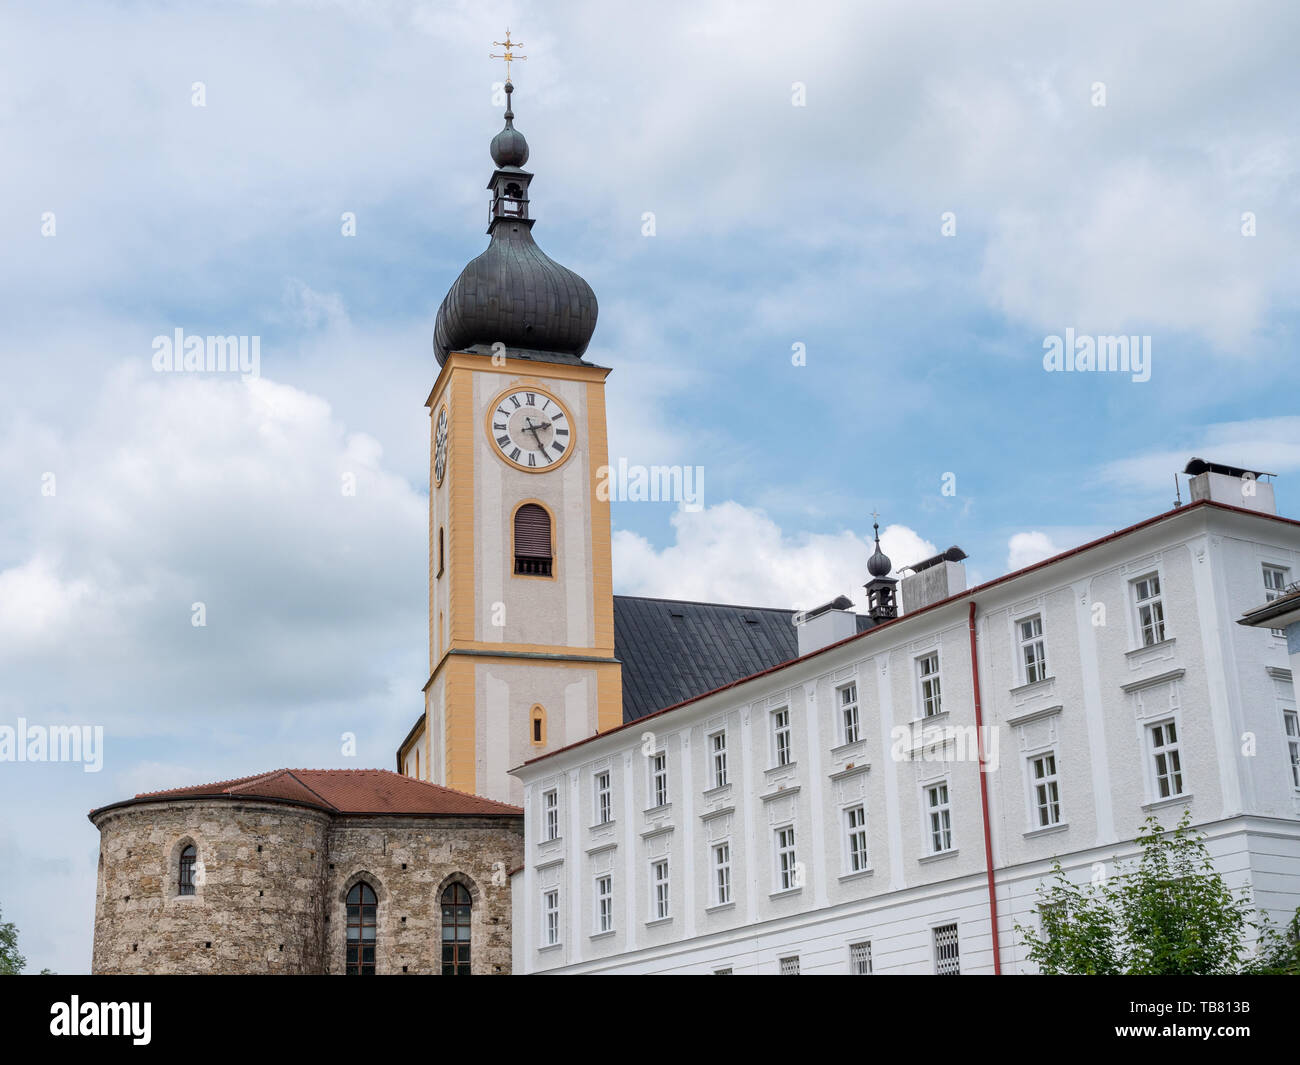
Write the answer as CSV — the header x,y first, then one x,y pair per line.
x,y
826,624
933,579
1233,485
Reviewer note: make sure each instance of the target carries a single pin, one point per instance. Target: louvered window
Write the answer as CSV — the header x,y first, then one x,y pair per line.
x,y
532,541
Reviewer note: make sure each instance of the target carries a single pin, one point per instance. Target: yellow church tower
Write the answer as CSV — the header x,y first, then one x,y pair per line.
x,y
521,611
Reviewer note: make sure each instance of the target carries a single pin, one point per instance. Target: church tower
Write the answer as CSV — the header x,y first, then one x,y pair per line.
x,y
521,612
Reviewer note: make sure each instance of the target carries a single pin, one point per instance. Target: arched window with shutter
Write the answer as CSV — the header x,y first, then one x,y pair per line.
x,y
533,541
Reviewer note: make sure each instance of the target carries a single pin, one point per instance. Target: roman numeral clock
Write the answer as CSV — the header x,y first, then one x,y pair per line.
x,y
531,429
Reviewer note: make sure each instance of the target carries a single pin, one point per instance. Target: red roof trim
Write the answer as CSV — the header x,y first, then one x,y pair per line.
x,y
968,593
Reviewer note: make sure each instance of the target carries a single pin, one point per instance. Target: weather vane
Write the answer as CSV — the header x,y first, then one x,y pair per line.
x,y
509,55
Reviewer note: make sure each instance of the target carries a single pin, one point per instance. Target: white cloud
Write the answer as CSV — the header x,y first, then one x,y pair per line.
x,y
729,553
1026,548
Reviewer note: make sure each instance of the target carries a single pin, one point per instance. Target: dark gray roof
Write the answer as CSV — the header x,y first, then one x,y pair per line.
x,y
673,650
515,294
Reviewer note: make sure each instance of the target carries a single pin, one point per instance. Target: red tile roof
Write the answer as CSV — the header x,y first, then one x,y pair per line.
x,y
342,791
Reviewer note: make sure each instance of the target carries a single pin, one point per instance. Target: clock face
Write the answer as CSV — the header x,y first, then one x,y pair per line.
x,y
530,429
440,446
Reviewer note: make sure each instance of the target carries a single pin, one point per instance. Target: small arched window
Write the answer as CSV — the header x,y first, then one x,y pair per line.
x,y
185,881
442,556
362,908
456,908
537,727
532,541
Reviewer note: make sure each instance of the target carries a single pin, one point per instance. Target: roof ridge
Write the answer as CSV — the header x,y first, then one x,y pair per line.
x,y
221,785
701,602
298,780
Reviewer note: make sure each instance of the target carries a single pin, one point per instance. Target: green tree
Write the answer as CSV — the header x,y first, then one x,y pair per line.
x,y
11,962
1169,912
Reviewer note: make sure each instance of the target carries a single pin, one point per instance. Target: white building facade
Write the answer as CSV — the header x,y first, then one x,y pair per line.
x,y
829,816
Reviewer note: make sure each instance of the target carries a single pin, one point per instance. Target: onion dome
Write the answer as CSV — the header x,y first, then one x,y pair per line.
x,y
878,565
514,293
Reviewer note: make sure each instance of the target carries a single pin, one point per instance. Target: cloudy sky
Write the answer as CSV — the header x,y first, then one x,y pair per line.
x,y
1113,169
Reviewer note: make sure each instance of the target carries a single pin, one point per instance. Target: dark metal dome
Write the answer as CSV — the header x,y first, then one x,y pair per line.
x,y
516,295
878,565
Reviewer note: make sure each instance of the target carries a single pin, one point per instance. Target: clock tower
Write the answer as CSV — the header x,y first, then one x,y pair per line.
x,y
521,612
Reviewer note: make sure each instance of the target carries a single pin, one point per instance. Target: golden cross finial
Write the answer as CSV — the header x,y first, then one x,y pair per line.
x,y
509,56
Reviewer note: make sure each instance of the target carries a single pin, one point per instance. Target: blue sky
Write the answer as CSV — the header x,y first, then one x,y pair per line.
x,y
775,225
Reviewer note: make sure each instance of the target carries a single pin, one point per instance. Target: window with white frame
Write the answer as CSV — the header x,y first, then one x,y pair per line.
x,y
659,890
927,671
1166,760
604,798
550,815
721,874
718,758
1046,790
1033,652
787,877
860,959
789,965
848,700
855,838
781,751
947,956
939,815
550,917
1274,585
1291,726
604,904
659,778
1150,609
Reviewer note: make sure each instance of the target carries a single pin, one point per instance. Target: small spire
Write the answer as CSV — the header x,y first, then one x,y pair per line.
x,y
878,565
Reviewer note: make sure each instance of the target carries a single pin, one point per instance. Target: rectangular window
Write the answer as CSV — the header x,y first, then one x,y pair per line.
x,y
790,965
721,874
927,667
550,815
604,799
1150,609
860,959
1274,585
1291,725
659,878
787,876
604,904
1047,790
781,736
718,756
659,778
1168,765
855,838
947,959
849,713
940,815
550,918
722,972
1033,653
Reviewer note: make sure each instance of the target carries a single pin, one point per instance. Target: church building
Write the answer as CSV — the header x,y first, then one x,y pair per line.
x,y
617,784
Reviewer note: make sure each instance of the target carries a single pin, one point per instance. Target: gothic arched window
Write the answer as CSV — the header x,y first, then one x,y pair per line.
x,y
532,541
362,908
456,908
537,727
185,880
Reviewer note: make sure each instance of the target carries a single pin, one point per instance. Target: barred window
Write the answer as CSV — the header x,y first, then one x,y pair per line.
x,y
947,958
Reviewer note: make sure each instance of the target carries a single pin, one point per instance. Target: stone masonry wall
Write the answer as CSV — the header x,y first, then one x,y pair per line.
x,y
257,906
271,880
409,861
